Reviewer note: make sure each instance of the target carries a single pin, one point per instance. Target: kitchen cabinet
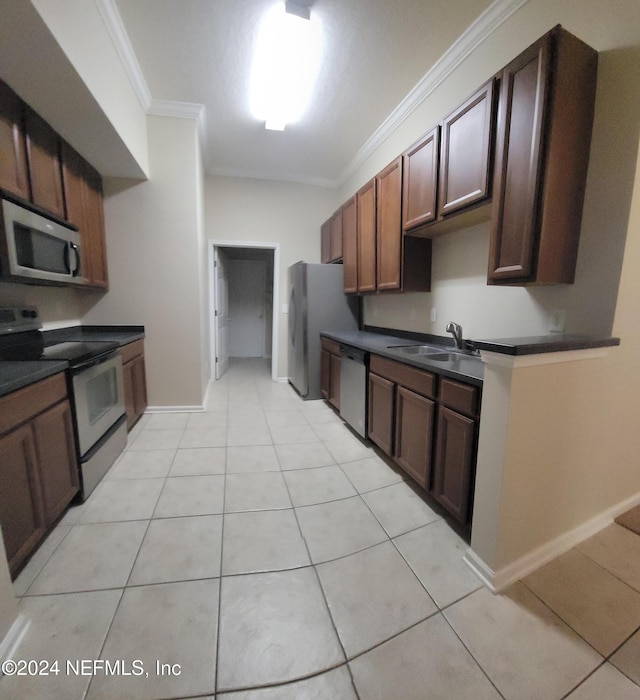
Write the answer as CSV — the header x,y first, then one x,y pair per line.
x,y
38,467
414,434
455,457
465,163
350,246
547,97
135,382
83,201
366,236
325,242
38,166
387,260
43,157
335,238
430,432
420,181
389,226
330,371
331,239
13,148
381,404
401,412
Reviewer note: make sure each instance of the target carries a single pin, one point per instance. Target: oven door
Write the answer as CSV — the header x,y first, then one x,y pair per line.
x,y
98,393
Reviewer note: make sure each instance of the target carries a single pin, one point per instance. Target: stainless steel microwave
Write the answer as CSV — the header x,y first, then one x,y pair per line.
x,y
38,250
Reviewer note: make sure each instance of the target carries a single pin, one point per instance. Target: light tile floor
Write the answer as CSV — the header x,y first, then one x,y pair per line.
x,y
259,551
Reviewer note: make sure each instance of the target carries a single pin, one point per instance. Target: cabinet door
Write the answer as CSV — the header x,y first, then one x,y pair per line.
x,y
43,146
454,462
334,383
366,227
381,406
94,238
389,226
466,153
420,181
325,242
350,246
335,245
523,90
21,512
13,155
414,434
325,374
57,459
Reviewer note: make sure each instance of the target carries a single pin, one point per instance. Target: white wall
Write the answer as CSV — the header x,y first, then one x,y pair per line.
x,y
155,252
242,209
459,290
81,32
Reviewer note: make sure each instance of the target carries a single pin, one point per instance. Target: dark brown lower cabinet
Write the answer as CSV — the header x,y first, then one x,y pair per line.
x,y
38,466
330,371
135,381
414,434
380,414
429,428
454,462
21,511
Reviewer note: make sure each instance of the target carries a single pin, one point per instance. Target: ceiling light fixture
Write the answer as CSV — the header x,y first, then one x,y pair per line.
x,y
286,61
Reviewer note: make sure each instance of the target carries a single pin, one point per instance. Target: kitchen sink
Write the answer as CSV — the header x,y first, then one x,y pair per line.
x,y
429,352
419,349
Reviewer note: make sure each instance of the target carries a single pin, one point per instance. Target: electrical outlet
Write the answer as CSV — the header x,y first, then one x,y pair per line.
x,y
557,320
434,314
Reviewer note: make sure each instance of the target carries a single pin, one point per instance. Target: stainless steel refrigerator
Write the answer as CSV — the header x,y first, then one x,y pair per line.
x,y
317,303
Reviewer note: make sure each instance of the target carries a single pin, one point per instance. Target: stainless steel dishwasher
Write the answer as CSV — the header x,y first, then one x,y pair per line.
x,y
353,388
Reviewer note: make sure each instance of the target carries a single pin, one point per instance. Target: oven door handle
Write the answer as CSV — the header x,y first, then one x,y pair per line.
x,y
105,357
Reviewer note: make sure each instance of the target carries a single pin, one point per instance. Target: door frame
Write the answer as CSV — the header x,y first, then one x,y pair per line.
x,y
218,243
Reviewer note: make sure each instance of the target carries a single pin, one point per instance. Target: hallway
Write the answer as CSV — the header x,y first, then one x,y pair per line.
x,y
260,543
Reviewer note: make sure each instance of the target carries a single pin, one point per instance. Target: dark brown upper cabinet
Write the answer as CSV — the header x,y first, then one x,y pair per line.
x,y
325,242
335,241
366,230
465,163
350,246
547,97
420,181
389,226
83,205
13,153
43,155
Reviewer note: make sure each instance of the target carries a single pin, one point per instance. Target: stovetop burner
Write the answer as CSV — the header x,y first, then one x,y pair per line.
x,y
20,340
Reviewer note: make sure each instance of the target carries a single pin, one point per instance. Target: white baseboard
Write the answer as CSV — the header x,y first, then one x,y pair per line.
x,y
175,409
497,581
9,644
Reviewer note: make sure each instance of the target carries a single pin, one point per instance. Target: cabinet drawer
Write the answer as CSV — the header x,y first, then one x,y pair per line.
x,y
330,346
132,350
415,379
25,403
460,397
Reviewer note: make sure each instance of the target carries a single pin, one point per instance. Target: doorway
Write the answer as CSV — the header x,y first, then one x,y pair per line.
x,y
244,290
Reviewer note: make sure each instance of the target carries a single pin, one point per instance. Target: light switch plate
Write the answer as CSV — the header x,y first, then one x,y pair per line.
x,y
557,320
434,314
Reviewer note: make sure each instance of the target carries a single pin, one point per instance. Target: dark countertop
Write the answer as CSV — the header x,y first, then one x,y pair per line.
x,y
537,344
123,335
467,368
15,375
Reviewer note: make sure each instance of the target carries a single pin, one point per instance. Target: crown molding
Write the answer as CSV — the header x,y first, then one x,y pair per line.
x,y
483,27
113,22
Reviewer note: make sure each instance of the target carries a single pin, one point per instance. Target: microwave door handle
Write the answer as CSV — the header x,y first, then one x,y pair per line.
x,y
76,268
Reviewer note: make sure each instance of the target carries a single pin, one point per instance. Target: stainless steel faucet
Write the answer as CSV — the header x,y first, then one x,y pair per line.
x,y
456,330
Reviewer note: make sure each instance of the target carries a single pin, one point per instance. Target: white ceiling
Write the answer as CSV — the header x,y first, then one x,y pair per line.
x,y
377,51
